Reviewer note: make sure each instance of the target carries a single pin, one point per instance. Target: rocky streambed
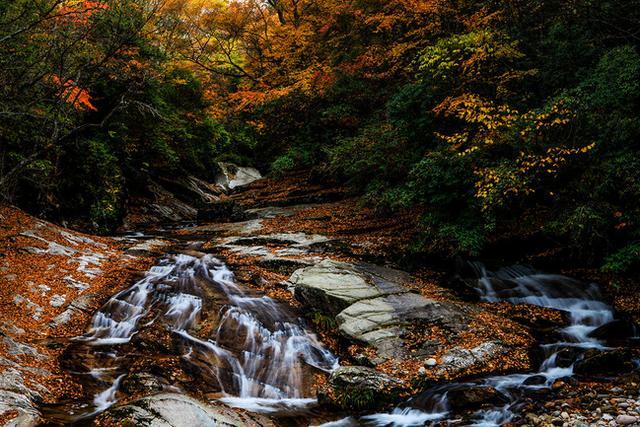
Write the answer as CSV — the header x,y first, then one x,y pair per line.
x,y
270,321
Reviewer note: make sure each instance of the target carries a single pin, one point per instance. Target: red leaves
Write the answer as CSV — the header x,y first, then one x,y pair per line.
x,y
71,93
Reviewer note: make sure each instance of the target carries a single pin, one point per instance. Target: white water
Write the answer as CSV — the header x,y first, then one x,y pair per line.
x,y
522,286
257,356
519,285
265,350
107,398
260,357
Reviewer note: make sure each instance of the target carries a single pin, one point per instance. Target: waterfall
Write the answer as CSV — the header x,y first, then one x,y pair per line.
x,y
257,355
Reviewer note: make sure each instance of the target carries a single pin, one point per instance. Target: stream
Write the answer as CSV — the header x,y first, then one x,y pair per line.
x,y
259,357
249,351
517,285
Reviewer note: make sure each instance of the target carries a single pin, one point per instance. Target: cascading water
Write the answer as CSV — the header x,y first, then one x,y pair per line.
x,y
263,348
520,285
517,285
258,355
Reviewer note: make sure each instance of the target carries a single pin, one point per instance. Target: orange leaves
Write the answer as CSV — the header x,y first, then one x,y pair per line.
x,y
80,12
70,93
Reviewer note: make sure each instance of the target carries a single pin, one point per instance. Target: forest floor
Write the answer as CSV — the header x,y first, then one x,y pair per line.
x,y
52,280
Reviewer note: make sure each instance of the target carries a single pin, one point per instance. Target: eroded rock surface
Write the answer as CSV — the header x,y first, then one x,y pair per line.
x,y
413,337
171,410
56,277
379,322
331,286
371,304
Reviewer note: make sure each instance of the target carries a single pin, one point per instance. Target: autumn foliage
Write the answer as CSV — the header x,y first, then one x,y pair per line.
x,y
495,118
71,94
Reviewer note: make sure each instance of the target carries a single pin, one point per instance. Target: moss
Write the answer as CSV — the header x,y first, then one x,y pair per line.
x,y
355,398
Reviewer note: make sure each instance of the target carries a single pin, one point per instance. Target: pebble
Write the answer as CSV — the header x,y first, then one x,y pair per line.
x,y
430,362
626,419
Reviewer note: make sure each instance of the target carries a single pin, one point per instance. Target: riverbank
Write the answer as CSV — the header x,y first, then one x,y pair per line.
x,y
52,280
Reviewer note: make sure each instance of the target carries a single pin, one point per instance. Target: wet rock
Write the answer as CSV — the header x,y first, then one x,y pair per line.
x,y
233,176
332,286
473,397
379,322
597,362
615,331
169,410
359,388
535,380
567,356
142,383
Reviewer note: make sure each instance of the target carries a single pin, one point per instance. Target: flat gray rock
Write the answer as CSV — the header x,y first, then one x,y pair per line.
x,y
379,322
332,286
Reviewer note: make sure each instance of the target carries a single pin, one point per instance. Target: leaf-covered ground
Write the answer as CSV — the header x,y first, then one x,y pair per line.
x,y
51,281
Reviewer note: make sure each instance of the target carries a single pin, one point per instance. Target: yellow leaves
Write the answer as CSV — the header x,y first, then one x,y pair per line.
x,y
489,121
555,118
495,183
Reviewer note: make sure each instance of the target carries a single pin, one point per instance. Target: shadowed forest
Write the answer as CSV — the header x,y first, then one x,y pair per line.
x,y
511,117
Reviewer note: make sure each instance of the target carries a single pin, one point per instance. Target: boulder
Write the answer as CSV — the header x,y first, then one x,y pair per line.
x,y
567,356
360,388
473,397
378,322
232,176
535,380
598,362
616,331
458,360
169,410
332,286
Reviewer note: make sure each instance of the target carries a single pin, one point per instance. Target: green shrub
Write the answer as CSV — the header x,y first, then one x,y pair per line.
x,y
625,260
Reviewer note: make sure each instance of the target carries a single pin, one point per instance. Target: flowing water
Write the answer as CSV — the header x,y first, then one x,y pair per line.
x,y
517,285
252,353
258,357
